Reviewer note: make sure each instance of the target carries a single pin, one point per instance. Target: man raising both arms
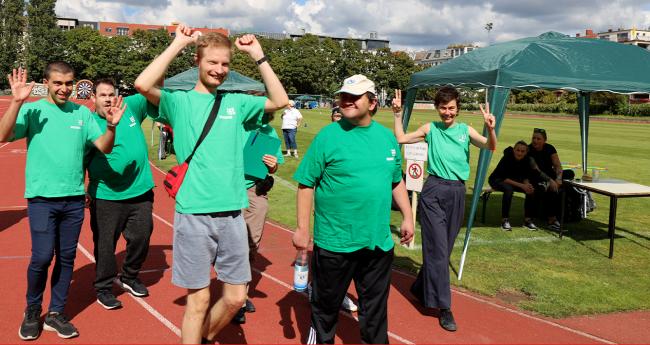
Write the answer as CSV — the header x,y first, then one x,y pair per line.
x,y
209,202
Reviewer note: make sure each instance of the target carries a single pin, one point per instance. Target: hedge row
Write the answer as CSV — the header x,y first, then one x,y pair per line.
x,y
572,108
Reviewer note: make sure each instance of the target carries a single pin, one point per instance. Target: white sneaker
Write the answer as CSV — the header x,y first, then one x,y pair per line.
x,y
348,304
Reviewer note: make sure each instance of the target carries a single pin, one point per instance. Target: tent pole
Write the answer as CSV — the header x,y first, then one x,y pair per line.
x,y
498,101
583,117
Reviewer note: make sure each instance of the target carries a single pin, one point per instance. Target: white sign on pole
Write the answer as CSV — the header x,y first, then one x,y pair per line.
x,y
414,175
416,152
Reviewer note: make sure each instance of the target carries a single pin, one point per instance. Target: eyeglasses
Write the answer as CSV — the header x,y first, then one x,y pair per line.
x,y
539,130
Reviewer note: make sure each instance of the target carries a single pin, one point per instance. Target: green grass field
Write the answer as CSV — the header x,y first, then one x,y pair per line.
x,y
533,270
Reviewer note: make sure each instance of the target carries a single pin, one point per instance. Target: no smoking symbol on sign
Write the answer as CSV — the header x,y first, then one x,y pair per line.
x,y
415,171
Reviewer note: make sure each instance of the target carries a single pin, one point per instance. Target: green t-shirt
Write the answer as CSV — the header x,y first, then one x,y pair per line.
x,y
57,138
124,173
448,151
215,178
352,170
268,130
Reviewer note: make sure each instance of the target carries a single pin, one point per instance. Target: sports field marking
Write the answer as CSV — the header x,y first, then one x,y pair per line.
x,y
16,207
5,144
14,257
140,301
154,270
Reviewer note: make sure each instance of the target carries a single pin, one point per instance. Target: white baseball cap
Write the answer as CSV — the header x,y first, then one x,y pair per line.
x,y
357,85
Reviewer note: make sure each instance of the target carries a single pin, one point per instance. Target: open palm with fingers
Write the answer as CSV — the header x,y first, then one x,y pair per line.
x,y
18,82
115,112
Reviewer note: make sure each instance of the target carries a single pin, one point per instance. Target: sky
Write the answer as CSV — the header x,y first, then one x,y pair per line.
x,y
411,25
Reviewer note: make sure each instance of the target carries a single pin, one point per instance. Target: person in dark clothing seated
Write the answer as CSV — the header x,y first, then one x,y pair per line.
x,y
548,161
517,171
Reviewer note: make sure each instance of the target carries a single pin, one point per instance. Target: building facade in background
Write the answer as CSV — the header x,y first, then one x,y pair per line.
x,y
124,29
436,57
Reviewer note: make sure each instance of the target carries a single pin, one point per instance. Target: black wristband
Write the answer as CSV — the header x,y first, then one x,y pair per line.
x,y
262,60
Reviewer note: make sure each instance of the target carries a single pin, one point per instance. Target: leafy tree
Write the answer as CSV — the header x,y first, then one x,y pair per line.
x,y
43,37
12,25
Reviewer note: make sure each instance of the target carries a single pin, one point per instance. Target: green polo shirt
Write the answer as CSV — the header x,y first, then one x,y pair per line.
x,y
352,170
57,138
448,151
268,130
124,173
215,178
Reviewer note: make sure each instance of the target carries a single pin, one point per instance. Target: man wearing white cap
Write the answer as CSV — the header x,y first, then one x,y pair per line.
x,y
352,170
291,119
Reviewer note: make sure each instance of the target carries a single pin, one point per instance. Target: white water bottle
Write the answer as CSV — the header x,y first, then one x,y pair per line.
x,y
300,271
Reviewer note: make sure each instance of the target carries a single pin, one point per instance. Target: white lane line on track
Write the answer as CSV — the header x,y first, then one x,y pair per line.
x,y
478,299
5,144
16,207
140,301
14,257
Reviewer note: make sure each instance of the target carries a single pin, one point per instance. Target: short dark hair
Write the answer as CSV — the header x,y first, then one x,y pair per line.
x,y
541,131
103,80
57,66
445,95
521,142
372,97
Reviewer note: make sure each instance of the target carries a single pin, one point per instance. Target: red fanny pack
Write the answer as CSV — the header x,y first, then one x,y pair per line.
x,y
174,179
175,176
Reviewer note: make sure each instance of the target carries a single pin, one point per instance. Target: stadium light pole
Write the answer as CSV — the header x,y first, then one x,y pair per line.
x,y
488,28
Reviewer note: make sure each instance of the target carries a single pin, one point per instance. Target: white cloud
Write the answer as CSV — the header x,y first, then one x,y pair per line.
x,y
409,24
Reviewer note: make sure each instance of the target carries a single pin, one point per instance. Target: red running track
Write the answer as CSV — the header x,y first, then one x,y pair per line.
x,y
282,315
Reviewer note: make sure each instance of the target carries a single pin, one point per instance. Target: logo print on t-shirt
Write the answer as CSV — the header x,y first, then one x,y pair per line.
x,y
462,138
393,153
132,118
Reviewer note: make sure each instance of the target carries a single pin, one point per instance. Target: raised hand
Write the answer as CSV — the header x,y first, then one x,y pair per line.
x,y
489,119
250,45
186,35
18,82
397,103
115,112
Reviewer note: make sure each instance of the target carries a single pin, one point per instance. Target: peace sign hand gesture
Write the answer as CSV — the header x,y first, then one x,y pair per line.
x,y
397,103
489,119
115,112
18,82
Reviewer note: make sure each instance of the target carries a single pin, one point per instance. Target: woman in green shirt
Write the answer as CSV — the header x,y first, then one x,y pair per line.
x,y
442,200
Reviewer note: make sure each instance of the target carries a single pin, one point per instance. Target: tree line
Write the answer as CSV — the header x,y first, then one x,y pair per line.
x,y
29,37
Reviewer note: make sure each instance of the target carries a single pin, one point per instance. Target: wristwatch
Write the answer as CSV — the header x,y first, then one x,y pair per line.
x,y
262,60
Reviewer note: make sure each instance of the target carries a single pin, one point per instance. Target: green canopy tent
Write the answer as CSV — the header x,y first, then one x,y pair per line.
x,y
550,61
234,82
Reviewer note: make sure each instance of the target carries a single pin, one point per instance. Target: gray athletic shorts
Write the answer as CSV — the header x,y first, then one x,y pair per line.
x,y
205,240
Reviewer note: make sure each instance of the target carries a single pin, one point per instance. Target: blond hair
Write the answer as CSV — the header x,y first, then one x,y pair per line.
x,y
211,39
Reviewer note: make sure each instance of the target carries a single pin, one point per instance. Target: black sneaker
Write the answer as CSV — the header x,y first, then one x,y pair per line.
x,y
133,286
446,320
57,322
505,226
250,307
240,317
108,300
30,329
528,224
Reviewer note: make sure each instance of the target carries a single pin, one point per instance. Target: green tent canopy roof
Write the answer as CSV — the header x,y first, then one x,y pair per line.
x,y
234,82
549,61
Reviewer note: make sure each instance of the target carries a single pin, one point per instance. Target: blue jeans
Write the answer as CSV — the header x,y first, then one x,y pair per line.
x,y
54,224
290,139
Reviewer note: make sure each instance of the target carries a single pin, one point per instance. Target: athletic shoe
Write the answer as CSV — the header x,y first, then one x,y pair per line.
x,y
446,320
30,328
240,317
348,304
505,226
528,224
108,300
555,226
250,307
133,286
57,322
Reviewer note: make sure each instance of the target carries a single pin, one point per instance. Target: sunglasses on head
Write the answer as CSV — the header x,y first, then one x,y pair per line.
x,y
539,130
